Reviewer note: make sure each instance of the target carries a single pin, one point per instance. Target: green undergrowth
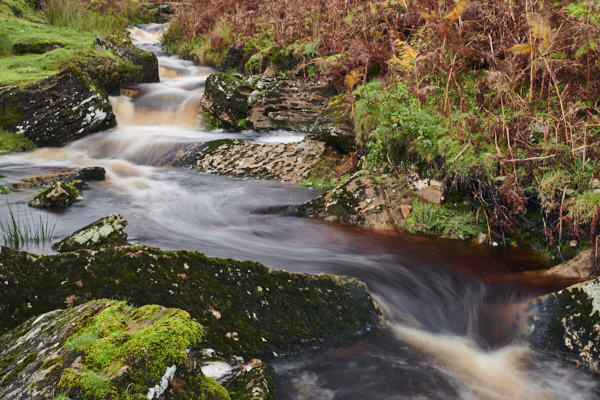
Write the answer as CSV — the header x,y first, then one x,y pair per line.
x,y
453,220
10,142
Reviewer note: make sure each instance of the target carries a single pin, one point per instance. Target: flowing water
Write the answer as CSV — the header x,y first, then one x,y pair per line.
x,y
446,301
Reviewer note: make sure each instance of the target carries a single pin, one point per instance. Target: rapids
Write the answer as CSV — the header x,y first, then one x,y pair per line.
x,y
446,301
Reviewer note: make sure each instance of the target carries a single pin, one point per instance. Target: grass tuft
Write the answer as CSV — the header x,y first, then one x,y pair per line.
x,y
18,229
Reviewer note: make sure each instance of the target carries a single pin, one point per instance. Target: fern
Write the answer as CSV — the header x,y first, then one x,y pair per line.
x,y
407,54
352,79
456,11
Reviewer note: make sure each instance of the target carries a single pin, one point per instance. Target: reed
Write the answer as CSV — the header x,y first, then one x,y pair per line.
x,y
18,229
79,15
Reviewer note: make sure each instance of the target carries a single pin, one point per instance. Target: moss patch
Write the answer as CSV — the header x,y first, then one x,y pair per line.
x,y
10,141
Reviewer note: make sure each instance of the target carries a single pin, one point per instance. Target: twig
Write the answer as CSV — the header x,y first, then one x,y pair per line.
x,y
530,158
462,151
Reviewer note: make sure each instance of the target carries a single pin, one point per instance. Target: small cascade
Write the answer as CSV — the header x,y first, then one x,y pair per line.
x,y
175,101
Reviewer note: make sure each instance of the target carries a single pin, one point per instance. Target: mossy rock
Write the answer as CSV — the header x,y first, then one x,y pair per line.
x,y
246,308
107,231
566,324
58,195
226,98
35,47
105,349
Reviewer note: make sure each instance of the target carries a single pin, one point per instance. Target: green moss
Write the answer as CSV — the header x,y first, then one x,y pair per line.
x,y
212,122
51,362
453,220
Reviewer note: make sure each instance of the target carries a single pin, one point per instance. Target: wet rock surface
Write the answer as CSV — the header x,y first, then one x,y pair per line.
x,y
364,201
261,102
105,349
56,110
105,232
84,174
58,195
246,308
289,162
565,324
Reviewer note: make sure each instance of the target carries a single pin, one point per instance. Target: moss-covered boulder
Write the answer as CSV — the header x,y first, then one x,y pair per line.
x,y
565,324
362,200
56,110
334,126
105,232
246,308
35,47
106,350
226,98
58,195
134,66
289,162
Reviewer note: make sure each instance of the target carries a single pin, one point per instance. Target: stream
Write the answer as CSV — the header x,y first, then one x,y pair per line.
x,y
447,302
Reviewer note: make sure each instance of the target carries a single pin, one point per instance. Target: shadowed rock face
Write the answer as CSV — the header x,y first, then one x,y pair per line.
x,y
247,309
263,102
105,349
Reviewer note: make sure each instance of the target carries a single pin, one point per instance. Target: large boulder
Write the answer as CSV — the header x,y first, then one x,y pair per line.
x,y
362,200
246,308
56,110
289,162
106,350
565,324
107,231
261,102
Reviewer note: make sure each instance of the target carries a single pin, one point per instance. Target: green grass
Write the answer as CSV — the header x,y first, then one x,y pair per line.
x,y
14,142
22,228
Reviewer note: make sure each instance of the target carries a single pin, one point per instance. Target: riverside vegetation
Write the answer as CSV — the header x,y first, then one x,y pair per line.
x,y
497,99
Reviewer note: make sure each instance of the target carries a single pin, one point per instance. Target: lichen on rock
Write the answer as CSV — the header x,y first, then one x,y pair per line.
x,y
107,231
361,200
289,162
58,195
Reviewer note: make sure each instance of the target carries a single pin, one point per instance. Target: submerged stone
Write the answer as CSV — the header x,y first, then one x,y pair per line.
x,y
58,195
69,176
107,231
105,349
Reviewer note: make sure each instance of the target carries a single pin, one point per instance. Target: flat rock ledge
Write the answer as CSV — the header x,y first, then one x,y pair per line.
x,y
289,162
565,324
246,308
362,200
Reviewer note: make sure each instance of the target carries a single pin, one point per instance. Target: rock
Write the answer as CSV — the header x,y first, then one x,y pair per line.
x,y
142,66
262,102
290,162
161,12
288,105
105,349
259,381
433,193
246,308
226,98
334,126
363,201
565,324
56,110
577,268
83,174
105,232
58,195
234,58
36,47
